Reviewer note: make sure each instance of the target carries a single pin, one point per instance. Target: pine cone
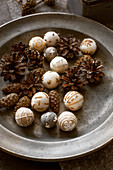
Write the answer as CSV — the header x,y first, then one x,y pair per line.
x,y
54,100
38,73
12,68
35,60
12,88
21,49
28,7
68,47
9,100
23,102
74,79
93,69
31,84
82,60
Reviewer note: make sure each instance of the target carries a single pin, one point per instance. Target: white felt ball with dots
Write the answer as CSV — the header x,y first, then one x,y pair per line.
x,y
24,117
73,100
37,43
67,121
88,46
59,64
51,38
40,101
51,79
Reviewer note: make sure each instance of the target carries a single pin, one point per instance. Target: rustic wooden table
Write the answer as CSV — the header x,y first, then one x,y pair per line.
x,y
102,159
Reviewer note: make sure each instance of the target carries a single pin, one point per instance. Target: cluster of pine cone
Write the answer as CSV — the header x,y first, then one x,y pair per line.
x,y
23,68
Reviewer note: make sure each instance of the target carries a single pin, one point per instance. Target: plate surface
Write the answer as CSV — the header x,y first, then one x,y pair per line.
x,y
95,119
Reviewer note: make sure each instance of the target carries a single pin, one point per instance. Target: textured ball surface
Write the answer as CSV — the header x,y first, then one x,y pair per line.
x,y
24,117
40,101
67,121
50,53
51,38
49,119
88,46
59,64
73,100
37,43
50,79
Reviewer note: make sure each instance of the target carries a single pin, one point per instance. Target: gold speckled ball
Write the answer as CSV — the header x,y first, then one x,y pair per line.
x,y
51,79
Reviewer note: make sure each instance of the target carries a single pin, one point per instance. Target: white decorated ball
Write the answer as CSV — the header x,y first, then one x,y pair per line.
x,y
40,101
24,117
88,46
59,64
51,79
51,38
67,121
73,100
37,43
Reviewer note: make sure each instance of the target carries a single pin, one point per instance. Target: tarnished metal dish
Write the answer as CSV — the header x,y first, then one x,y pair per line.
x,y
95,119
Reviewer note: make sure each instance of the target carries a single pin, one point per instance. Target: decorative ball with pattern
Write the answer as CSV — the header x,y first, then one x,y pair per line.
x,y
37,43
40,101
24,117
51,79
67,121
88,46
49,119
50,53
59,64
73,100
51,38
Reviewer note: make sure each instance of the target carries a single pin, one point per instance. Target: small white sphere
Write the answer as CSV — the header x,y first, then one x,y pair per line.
x,y
40,101
24,117
37,43
50,53
67,121
50,79
59,64
88,46
73,100
51,38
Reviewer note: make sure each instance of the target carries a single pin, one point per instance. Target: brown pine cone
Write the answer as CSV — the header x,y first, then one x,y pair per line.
x,y
74,79
68,47
9,100
12,88
21,49
35,60
93,69
32,84
23,102
38,73
54,100
82,59
12,67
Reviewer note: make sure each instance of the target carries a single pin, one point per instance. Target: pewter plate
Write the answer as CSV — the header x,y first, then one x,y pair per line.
x,y
95,119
